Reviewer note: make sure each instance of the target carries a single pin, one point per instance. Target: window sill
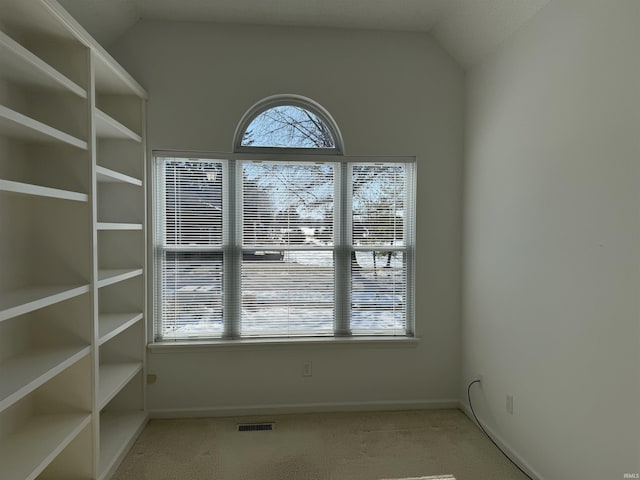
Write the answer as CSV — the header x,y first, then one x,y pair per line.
x,y
266,343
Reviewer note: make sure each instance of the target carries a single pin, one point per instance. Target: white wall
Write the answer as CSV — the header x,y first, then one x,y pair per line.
x,y
552,240
390,93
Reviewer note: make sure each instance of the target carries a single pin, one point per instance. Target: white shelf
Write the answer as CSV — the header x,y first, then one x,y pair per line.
x,y
20,65
118,226
37,190
24,454
108,277
118,431
41,19
25,300
112,324
108,127
113,377
14,124
105,175
22,374
112,79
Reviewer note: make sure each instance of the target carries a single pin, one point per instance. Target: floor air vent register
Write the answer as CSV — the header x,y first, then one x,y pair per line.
x,y
255,427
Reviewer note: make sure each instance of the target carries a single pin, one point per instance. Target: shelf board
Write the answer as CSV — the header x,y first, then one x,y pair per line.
x,y
22,374
118,431
108,127
113,377
118,226
14,124
112,79
112,324
37,190
108,277
25,300
39,19
19,65
105,175
27,452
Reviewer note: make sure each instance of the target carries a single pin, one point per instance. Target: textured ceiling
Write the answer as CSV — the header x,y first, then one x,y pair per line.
x,y
467,29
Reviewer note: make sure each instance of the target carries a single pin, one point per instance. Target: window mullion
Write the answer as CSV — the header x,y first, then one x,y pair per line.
x,y
342,220
158,230
409,240
232,252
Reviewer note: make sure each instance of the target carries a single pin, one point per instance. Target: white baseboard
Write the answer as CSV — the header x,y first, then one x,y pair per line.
x,y
515,456
243,410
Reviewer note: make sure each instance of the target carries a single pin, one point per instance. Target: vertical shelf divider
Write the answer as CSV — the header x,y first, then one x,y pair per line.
x,y
119,228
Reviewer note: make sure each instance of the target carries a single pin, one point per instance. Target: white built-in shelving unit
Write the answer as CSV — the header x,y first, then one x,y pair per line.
x,y
72,249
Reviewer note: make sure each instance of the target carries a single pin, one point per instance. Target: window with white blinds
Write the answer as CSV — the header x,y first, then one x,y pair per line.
x,y
251,249
189,257
287,241
379,237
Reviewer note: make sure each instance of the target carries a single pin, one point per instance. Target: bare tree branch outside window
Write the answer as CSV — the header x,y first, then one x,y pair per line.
x,y
288,126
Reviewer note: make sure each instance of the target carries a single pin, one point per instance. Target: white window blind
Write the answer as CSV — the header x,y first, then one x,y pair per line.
x,y
189,214
287,264
379,197
282,248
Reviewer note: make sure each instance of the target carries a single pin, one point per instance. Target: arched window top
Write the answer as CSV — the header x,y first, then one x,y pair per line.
x,y
289,123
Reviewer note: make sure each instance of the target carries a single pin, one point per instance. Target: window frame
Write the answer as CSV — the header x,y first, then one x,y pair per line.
x,y
232,248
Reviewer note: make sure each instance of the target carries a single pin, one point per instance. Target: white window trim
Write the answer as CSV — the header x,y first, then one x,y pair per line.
x,y
193,346
230,336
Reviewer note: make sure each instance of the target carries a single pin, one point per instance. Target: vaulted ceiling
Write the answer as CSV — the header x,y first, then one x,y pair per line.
x,y
467,29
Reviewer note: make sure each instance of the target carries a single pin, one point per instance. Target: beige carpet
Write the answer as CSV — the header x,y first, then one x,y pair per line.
x,y
336,446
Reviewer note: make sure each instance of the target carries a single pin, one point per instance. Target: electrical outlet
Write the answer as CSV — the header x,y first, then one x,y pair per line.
x,y
479,378
510,404
307,370
151,379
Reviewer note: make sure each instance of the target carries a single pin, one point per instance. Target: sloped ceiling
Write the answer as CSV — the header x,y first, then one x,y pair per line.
x,y
467,29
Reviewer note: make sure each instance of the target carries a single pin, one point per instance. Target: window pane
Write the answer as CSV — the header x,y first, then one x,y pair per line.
x,y
288,126
287,293
191,286
193,202
378,292
378,204
287,204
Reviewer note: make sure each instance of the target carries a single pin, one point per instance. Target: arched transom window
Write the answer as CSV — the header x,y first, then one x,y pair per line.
x,y
288,122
